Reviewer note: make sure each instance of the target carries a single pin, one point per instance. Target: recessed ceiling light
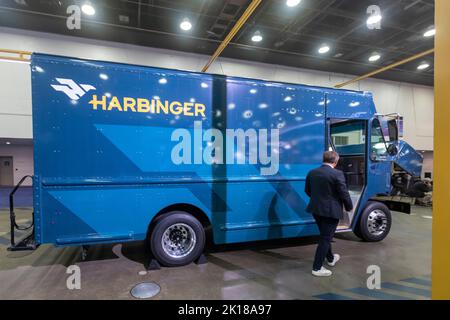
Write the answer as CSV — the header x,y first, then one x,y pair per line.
x,y
253,91
374,19
423,66
257,37
324,49
429,33
7,142
204,85
293,3
186,25
88,9
374,57
103,76
162,81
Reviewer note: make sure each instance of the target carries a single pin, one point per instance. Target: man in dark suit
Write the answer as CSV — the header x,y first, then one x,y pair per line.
x,y
328,194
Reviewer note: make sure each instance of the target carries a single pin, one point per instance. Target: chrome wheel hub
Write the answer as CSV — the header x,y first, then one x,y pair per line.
x,y
377,222
178,240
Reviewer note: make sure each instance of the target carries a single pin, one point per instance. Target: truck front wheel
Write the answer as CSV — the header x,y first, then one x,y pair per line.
x,y
177,239
374,223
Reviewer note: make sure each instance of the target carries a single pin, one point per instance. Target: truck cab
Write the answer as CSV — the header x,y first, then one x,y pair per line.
x,y
371,155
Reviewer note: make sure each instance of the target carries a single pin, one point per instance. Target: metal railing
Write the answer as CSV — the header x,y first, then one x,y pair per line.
x,y
12,215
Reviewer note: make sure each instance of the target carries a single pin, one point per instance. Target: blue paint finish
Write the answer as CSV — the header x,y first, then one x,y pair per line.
x,y
422,282
332,296
377,294
346,104
102,175
398,287
409,159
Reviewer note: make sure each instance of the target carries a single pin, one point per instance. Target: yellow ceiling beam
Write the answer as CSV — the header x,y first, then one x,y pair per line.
x,y
15,55
247,13
391,66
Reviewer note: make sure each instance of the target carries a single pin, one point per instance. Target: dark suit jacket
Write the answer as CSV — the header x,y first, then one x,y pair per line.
x,y
328,192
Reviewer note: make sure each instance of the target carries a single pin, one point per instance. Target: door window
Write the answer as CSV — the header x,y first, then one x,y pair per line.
x,y
349,138
378,149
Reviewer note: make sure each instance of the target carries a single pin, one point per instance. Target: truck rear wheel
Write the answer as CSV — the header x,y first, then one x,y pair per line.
x,y
374,223
177,239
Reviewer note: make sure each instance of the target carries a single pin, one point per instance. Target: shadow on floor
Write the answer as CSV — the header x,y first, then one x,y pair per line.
x,y
138,251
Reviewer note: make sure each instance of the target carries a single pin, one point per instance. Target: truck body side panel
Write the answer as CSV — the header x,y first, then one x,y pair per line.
x,y
105,165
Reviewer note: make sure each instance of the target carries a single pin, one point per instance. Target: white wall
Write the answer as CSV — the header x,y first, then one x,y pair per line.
x,y
414,102
22,160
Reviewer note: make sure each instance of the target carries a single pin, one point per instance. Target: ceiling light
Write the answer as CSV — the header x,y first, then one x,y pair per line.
x,y
374,57
7,142
324,49
374,19
162,81
293,3
257,37
186,25
423,66
253,91
103,76
204,85
88,9
430,33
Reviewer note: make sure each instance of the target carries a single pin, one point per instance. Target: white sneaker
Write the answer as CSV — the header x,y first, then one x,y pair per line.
x,y
336,259
322,272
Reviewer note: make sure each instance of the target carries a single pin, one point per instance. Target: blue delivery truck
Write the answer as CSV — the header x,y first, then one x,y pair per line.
x,y
125,152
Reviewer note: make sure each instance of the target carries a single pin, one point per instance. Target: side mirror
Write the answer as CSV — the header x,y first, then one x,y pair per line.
x,y
392,150
393,130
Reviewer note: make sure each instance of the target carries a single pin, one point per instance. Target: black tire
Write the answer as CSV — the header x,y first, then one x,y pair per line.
x,y
380,222
177,224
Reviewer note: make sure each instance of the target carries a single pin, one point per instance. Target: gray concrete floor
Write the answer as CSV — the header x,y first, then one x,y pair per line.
x,y
268,270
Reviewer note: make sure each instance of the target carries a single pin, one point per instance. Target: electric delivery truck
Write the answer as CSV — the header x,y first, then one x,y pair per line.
x,y
125,152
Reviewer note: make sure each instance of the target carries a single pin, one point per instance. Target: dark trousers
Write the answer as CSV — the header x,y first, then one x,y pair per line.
x,y
327,227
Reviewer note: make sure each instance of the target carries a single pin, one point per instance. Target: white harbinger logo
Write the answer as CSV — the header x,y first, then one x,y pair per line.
x,y
71,89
